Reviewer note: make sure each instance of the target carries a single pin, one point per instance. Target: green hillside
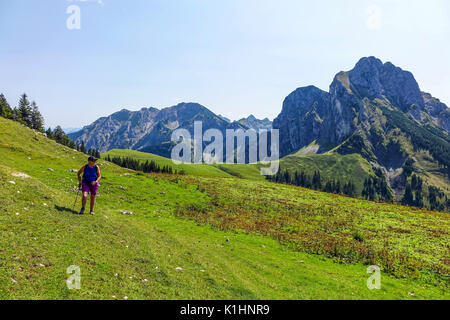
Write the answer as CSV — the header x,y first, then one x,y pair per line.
x,y
332,166
232,238
223,170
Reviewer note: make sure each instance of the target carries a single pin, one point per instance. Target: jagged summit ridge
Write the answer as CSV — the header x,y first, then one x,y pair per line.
x,y
310,114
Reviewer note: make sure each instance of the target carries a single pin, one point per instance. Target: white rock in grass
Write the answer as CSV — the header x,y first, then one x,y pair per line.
x,y
45,205
125,298
20,175
17,213
179,268
12,182
14,281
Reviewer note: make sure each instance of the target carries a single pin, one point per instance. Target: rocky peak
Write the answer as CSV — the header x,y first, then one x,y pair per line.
x,y
305,99
301,118
370,78
252,122
365,78
310,114
433,106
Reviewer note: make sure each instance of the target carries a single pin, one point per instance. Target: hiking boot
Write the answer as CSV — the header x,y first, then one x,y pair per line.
x,y
91,213
82,211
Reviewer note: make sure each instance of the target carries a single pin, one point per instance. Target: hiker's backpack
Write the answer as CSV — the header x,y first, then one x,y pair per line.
x,y
90,174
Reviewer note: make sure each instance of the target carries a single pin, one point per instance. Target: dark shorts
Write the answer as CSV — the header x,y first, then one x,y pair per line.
x,y
89,188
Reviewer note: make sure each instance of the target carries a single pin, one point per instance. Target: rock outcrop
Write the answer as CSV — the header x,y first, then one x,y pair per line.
x,y
310,114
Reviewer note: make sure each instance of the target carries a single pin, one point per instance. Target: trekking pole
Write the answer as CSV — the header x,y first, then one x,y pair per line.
x,y
76,199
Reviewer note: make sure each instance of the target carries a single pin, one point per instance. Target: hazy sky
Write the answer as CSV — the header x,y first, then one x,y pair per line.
x,y
236,57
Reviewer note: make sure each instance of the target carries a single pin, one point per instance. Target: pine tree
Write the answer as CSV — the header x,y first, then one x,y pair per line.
x,y
286,178
433,197
384,192
337,187
37,121
316,181
418,201
369,191
408,198
24,110
408,167
16,115
5,108
349,189
49,133
59,134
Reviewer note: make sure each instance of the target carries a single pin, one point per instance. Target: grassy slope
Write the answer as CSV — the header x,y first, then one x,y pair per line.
x,y
40,238
203,170
404,241
223,170
350,167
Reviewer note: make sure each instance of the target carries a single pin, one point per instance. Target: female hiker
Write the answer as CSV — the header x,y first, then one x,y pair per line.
x,y
89,183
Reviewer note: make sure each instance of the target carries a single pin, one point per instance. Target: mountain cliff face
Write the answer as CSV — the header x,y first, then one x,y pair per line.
x,y
301,118
376,110
148,129
311,114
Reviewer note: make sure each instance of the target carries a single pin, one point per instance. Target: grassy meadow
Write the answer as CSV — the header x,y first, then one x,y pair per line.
x,y
212,233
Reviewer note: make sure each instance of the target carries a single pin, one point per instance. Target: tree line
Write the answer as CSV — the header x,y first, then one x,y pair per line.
x,y
27,113
146,167
375,187
417,194
314,181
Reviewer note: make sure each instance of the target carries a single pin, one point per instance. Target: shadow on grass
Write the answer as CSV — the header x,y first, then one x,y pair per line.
x,y
64,209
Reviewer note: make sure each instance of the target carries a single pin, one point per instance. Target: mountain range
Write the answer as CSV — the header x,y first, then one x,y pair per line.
x,y
376,111
150,129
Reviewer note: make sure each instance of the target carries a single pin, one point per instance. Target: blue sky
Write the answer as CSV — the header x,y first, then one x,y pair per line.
x,y
236,57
